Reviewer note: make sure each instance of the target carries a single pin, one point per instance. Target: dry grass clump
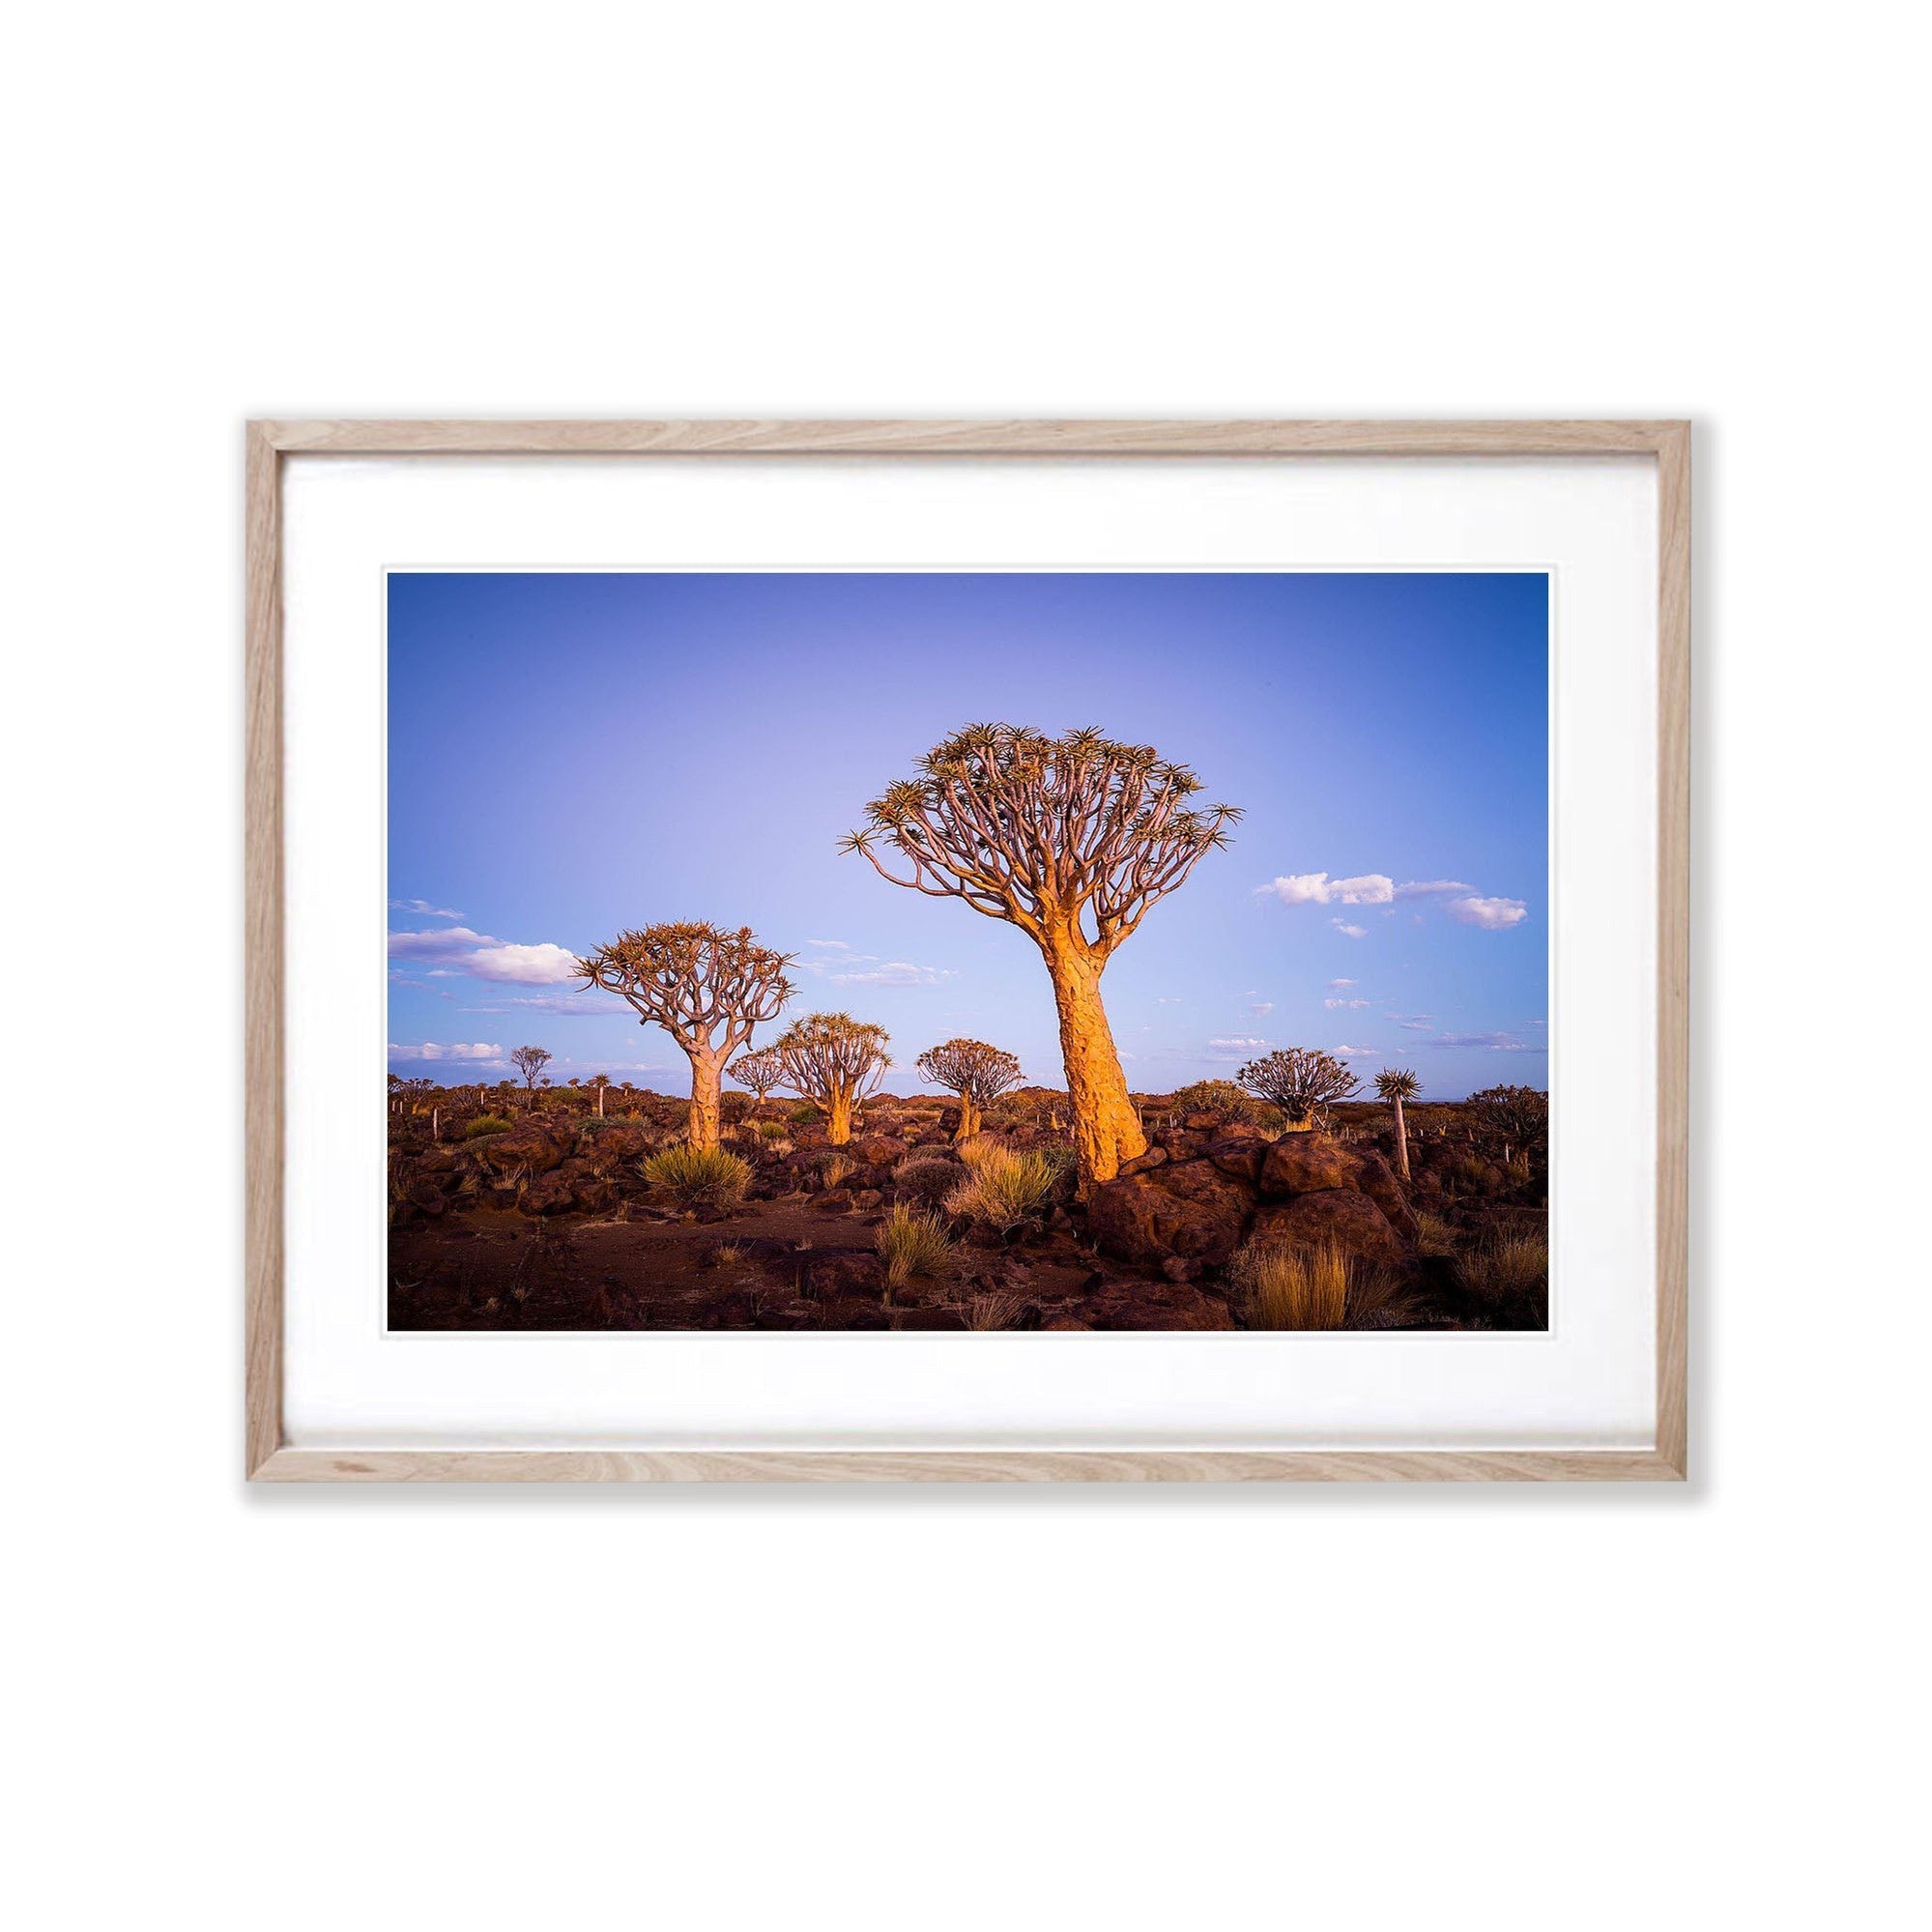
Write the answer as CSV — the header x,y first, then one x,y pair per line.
x,y
1433,1234
1508,1278
927,1177
1002,1187
836,1168
771,1130
911,1244
995,1310
1291,1287
487,1123
696,1177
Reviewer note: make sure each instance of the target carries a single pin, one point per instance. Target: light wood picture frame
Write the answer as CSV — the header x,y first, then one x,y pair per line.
x,y
269,1457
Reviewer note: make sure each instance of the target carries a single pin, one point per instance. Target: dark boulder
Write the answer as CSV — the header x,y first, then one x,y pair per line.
x,y
1342,1216
1299,1163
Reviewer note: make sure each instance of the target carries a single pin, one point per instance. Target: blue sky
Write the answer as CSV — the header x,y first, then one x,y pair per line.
x,y
570,755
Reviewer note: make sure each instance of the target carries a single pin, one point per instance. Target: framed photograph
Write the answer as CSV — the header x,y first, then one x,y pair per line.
x,y
954,951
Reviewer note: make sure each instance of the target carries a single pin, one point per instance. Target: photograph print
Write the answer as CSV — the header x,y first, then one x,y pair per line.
x,y
968,951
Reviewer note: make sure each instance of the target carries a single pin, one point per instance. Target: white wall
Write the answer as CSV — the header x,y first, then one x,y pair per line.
x,y
1384,1709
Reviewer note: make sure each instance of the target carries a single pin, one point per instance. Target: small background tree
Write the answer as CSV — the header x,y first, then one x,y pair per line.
x,y
977,1073
1396,1085
1301,1082
706,987
834,1062
597,1083
1072,840
530,1062
1520,1114
760,1072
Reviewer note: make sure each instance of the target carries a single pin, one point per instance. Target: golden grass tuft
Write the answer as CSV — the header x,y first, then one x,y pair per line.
x,y
910,1243
1002,1187
1508,1278
697,1178
1291,1287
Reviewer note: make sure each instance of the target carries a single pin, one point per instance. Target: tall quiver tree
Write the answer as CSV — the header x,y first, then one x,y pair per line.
x,y
978,1074
597,1083
834,1062
759,1072
706,987
1070,839
1396,1084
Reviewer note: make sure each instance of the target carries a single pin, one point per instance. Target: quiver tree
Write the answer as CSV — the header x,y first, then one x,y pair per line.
x,y
530,1062
706,987
977,1073
597,1083
1301,1082
1396,1084
1070,839
834,1062
760,1072
1520,1114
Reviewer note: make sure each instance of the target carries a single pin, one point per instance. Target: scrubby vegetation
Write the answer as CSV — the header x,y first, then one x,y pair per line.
x,y
522,1207
696,1177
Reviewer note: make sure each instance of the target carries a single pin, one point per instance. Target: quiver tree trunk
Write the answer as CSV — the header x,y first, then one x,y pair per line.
x,y
703,1124
1401,1140
839,1120
1107,1129
969,1120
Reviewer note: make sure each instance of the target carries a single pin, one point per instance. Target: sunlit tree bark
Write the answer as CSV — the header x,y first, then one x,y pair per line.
x,y
1070,839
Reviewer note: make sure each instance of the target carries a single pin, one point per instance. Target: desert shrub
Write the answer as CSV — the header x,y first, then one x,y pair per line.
x,y
778,1149
1221,1097
1433,1234
1005,1188
487,1123
912,1244
995,1309
837,1168
698,1177
1291,1287
927,1177
1508,1276
804,1113
770,1130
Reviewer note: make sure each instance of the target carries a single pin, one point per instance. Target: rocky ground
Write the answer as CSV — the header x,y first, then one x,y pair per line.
x,y
548,1224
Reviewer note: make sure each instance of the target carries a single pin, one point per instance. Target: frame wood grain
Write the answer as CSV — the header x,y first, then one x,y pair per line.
x,y
270,1458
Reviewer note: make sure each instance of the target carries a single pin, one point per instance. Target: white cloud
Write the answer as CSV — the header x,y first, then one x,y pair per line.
x,y
462,949
524,966
1376,888
1414,1023
895,973
833,946
1493,1043
424,909
1171,1000
1356,1053
1236,1046
1337,984
1262,1008
1493,916
1348,1005
457,1050
1316,888
579,1005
